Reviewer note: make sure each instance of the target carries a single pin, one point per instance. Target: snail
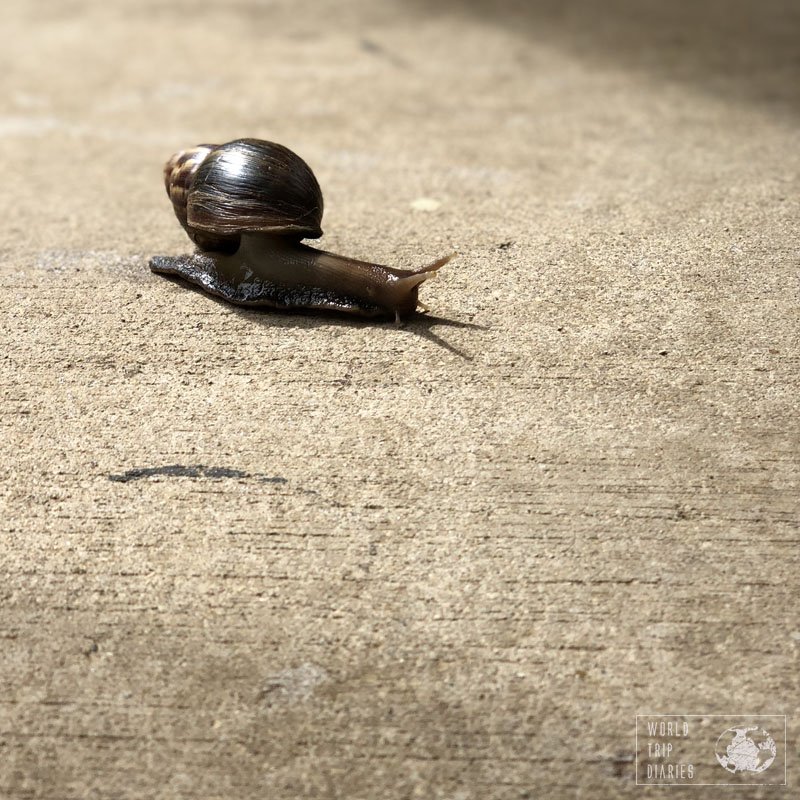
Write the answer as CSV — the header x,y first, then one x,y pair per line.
x,y
247,205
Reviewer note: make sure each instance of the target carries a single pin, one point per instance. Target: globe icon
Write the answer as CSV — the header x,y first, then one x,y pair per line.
x,y
748,749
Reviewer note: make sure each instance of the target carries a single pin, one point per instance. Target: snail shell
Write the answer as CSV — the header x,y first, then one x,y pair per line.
x,y
244,187
246,205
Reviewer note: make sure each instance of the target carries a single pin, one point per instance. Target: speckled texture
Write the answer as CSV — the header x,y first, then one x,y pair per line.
x,y
451,560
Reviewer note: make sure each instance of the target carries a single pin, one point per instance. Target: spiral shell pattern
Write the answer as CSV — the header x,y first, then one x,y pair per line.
x,y
220,192
179,173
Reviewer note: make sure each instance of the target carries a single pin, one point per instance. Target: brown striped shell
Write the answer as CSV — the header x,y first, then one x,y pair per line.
x,y
247,185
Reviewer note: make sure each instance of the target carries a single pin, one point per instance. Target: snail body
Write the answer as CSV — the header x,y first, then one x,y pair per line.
x,y
247,205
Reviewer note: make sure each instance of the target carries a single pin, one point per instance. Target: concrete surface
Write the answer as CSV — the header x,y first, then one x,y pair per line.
x,y
254,555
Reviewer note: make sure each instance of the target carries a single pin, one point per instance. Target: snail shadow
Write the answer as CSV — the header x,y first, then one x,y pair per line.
x,y
420,324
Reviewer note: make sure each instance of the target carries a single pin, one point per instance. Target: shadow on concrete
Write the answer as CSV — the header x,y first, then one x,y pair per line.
x,y
747,50
420,324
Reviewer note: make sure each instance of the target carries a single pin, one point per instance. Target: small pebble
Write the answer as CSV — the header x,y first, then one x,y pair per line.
x,y
425,204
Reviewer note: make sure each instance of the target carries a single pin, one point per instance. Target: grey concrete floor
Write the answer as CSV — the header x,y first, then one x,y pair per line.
x,y
252,555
